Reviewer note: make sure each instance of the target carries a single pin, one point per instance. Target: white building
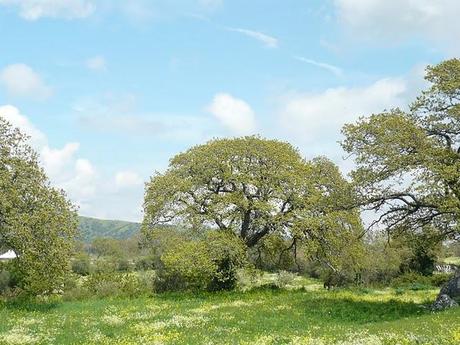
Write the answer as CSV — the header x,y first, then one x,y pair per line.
x,y
10,254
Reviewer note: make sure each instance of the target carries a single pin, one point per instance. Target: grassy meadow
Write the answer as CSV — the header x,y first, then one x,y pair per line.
x,y
301,313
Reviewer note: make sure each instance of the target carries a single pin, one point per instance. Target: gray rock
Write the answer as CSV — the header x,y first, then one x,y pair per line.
x,y
443,302
452,287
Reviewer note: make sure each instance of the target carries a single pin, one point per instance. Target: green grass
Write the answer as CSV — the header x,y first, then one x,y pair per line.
x,y
453,260
254,317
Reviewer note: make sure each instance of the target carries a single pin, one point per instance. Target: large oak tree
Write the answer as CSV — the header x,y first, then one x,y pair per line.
x,y
253,187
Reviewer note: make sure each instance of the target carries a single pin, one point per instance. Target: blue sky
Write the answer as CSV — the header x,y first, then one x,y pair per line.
x,y
110,90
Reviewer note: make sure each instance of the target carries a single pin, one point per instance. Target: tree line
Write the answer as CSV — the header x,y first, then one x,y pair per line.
x,y
234,201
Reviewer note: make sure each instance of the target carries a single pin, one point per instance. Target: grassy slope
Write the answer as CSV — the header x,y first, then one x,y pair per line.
x,y
90,228
256,317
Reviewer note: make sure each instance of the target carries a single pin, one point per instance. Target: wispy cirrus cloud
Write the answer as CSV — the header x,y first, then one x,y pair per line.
x,y
66,9
96,63
267,40
328,67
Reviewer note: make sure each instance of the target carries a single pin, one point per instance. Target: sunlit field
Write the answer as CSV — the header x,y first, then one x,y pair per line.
x,y
302,313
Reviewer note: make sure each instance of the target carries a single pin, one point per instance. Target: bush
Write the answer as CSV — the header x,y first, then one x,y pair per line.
x,y
206,264
5,281
439,279
108,285
81,265
187,266
284,278
248,278
124,265
336,279
228,253
105,265
144,264
412,281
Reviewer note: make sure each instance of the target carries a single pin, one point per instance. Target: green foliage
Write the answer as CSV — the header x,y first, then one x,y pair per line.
x,y
210,263
412,280
124,265
248,277
424,249
91,228
284,278
253,187
228,254
274,253
36,220
107,264
105,246
162,239
81,264
439,279
382,260
109,284
5,280
408,164
144,263
187,266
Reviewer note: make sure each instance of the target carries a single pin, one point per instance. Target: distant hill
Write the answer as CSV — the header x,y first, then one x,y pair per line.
x,y
91,228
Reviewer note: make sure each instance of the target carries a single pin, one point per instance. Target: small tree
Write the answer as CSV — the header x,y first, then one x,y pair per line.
x,y
36,220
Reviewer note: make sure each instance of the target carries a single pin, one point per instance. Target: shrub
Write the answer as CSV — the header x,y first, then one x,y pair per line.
x,y
206,264
186,266
124,265
109,285
336,279
105,265
5,281
284,278
439,279
228,253
81,265
144,264
412,281
248,277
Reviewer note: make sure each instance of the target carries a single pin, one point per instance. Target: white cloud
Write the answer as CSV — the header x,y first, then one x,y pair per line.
x,y
55,160
119,113
397,19
266,40
66,9
331,68
97,195
313,121
16,119
127,179
22,81
96,63
317,115
65,170
235,114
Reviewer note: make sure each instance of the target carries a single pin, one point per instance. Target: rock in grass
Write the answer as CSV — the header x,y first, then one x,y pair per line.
x,y
443,302
452,287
